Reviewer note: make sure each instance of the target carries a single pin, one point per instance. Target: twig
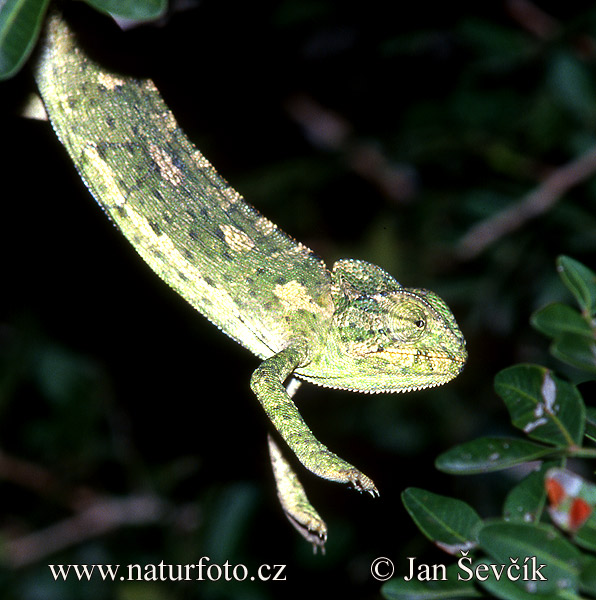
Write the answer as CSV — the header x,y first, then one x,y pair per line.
x,y
537,202
101,517
533,18
327,129
94,513
545,27
42,481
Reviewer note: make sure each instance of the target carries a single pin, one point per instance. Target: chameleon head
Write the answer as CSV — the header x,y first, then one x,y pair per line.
x,y
388,338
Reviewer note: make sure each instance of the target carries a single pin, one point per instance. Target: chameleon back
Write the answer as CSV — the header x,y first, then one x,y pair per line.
x,y
196,232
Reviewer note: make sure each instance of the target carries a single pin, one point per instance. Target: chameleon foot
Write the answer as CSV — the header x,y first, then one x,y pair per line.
x,y
360,482
324,463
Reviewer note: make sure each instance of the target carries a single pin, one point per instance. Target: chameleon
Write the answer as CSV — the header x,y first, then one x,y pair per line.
x,y
351,327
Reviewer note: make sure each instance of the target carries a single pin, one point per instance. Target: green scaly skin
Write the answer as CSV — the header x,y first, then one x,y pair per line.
x,y
353,327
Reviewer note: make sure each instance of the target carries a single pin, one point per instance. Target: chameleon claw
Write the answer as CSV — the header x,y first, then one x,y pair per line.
x,y
374,493
360,482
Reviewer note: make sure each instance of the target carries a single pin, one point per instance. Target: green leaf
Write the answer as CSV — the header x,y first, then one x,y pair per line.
x,y
451,524
20,22
489,454
587,577
504,542
576,351
525,502
135,10
543,406
557,319
451,587
586,536
591,423
507,589
580,280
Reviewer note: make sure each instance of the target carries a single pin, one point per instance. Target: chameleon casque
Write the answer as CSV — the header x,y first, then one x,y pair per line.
x,y
353,327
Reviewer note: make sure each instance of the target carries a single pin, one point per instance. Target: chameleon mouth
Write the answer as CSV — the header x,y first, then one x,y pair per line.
x,y
438,362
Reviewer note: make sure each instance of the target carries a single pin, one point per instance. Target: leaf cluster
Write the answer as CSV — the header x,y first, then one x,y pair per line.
x,y
550,411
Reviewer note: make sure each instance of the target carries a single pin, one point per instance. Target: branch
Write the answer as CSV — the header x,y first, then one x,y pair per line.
x,y
42,481
537,202
101,517
327,129
533,19
94,514
545,27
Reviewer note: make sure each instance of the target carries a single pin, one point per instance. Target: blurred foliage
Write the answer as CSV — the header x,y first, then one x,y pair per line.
x,y
400,139
551,411
21,22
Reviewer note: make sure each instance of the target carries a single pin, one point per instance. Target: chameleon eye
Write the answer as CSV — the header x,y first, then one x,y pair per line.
x,y
406,321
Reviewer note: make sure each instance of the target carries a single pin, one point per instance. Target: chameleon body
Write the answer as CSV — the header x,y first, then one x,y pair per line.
x,y
353,327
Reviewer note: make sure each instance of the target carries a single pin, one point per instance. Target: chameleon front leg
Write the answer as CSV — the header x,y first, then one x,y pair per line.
x,y
267,384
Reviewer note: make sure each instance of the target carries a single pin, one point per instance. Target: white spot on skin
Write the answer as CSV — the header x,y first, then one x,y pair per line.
x,y
109,81
237,240
293,296
300,248
229,195
232,195
64,102
265,225
170,120
167,168
200,160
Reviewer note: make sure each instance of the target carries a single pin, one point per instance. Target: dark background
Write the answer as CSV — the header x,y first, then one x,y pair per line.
x,y
111,386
